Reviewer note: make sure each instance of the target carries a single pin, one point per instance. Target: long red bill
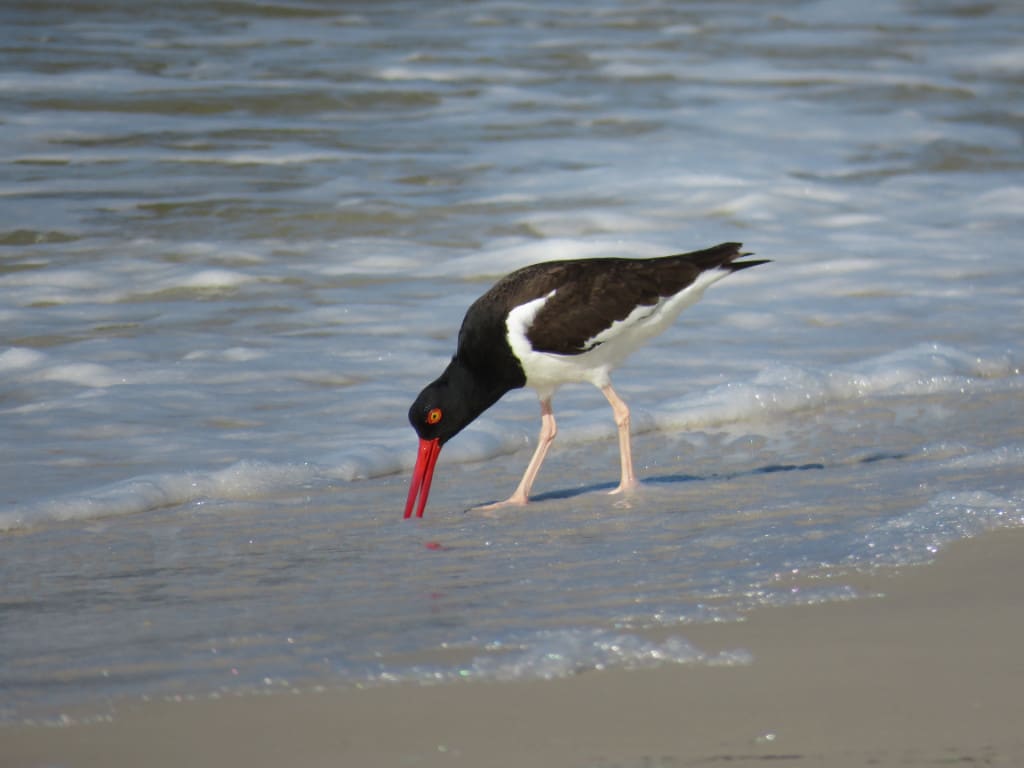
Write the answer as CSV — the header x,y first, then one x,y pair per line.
x,y
422,475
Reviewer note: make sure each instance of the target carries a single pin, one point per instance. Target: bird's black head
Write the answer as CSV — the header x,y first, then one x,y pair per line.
x,y
452,401
439,413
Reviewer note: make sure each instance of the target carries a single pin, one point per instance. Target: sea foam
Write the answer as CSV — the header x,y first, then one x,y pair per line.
x,y
244,480
773,392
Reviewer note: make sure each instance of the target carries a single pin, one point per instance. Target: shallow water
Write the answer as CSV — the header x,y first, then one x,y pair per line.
x,y
238,238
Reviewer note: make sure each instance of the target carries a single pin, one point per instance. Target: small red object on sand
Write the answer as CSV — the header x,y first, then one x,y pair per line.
x,y
433,545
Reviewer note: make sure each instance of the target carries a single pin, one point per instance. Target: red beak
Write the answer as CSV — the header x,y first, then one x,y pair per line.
x,y
422,475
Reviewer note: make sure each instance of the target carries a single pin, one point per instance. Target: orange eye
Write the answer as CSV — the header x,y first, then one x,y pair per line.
x,y
434,416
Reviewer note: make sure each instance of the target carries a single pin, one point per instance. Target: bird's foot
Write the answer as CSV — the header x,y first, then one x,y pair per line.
x,y
514,500
624,491
624,487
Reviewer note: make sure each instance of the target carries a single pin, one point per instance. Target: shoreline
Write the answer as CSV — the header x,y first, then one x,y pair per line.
x,y
930,672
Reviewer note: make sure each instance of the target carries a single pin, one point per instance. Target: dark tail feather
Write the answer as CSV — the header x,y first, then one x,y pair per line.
x,y
736,266
722,256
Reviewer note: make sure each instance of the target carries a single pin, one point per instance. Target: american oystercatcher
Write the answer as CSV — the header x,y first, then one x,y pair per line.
x,y
551,324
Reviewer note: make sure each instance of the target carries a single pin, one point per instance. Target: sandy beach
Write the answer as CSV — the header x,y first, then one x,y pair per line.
x,y
928,673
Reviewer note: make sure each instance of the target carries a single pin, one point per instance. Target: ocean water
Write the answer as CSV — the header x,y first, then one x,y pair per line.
x,y
236,239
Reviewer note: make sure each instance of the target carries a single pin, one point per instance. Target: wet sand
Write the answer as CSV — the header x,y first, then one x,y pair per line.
x,y
929,673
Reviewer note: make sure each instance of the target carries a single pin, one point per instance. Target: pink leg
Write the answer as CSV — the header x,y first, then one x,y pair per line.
x,y
548,430
621,411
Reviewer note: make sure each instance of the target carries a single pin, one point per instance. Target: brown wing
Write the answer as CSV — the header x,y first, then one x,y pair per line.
x,y
594,293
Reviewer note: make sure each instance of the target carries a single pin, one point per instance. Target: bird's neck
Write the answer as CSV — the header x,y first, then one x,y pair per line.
x,y
479,388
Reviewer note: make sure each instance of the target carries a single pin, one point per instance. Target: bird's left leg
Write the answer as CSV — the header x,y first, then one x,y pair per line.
x,y
548,430
621,411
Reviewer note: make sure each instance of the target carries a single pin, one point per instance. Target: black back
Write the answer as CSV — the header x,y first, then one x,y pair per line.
x,y
590,295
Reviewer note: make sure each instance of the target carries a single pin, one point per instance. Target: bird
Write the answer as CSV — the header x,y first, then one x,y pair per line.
x,y
555,323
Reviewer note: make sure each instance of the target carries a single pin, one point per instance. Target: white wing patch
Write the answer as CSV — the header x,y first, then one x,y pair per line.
x,y
518,323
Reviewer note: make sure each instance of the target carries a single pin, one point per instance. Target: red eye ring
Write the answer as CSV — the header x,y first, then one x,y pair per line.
x,y
434,416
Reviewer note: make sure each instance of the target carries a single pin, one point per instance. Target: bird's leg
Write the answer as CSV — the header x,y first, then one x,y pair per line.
x,y
548,430
621,411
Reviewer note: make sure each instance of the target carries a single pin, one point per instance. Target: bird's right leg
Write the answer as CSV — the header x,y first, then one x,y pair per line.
x,y
548,430
621,411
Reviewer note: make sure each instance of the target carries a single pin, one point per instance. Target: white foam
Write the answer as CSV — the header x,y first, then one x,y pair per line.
x,y
844,220
552,654
420,72
923,369
775,390
244,480
1003,456
213,278
17,358
84,375
1005,61
68,279
1003,201
368,461
230,355
413,70
916,536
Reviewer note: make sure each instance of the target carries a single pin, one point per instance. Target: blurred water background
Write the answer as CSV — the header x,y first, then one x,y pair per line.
x,y
237,237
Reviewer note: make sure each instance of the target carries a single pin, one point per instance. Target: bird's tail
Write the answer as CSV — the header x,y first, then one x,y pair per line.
x,y
722,256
